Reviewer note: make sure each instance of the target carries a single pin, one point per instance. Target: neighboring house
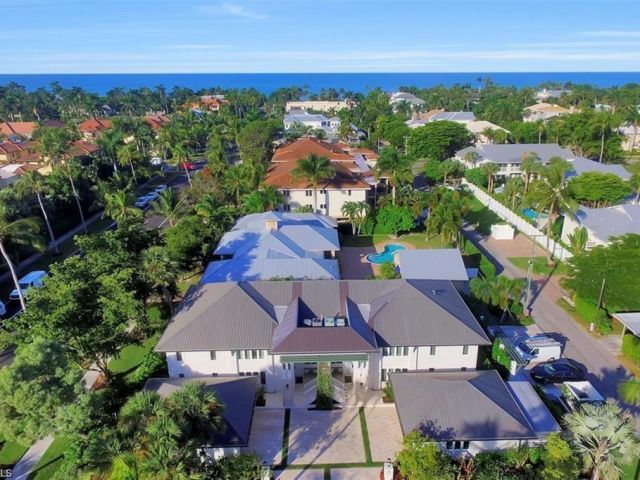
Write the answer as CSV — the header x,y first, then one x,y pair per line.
x,y
479,127
319,105
81,149
284,331
9,174
211,103
156,122
352,180
16,131
397,98
297,118
470,412
546,94
434,264
93,127
603,223
18,152
544,112
276,245
585,165
460,117
631,140
468,119
509,156
237,396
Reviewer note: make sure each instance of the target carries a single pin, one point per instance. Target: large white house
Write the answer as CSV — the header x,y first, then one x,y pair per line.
x,y
319,105
603,223
282,330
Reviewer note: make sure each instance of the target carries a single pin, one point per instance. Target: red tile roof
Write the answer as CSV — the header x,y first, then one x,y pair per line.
x,y
157,121
81,148
279,175
94,125
26,129
302,147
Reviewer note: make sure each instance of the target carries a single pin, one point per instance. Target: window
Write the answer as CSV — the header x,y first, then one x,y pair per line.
x,y
181,375
214,374
287,208
241,374
405,370
465,350
286,193
449,446
323,205
432,350
308,193
465,445
464,369
432,369
247,354
384,374
405,351
212,355
349,192
261,352
179,356
254,354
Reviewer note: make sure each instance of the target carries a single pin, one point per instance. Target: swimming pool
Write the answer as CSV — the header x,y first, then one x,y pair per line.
x,y
386,255
530,213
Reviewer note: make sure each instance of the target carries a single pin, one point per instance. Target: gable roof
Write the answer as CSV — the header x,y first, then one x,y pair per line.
x,y
513,153
432,264
256,221
157,121
250,268
245,315
26,129
546,107
94,125
453,116
463,406
303,147
610,222
237,395
280,176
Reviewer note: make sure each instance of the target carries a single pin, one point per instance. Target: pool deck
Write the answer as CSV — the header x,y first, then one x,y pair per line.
x,y
354,264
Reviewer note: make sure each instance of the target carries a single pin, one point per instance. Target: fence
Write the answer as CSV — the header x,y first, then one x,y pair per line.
x,y
520,223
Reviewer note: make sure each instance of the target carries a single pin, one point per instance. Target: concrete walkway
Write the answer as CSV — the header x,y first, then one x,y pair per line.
x,y
23,468
605,371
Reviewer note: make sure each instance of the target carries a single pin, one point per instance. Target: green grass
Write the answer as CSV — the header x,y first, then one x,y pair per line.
x,y
285,438
365,435
417,240
11,452
51,460
540,266
481,217
130,357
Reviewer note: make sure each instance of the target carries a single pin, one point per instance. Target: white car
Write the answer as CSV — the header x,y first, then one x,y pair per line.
x,y
151,196
33,279
160,188
539,348
142,202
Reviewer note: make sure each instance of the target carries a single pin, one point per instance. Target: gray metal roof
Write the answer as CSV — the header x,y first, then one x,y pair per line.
x,y
631,320
453,116
432,264
249,268
237,395
246,315
611,221
458,406
256,221
584,165
513,153
538,415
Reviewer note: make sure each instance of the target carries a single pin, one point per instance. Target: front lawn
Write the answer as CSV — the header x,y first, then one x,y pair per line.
x,y
481,217
131,357
540,266
416,240
11,452
51,460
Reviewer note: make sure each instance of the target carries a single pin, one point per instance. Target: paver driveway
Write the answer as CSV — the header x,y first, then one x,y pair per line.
x,y
385,434
325,437
266,434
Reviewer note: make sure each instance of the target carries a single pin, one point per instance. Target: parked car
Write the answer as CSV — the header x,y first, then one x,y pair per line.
x,y
562,370
142,202
575,394
151,196
160,188
539,349
3,309
188,166
33,279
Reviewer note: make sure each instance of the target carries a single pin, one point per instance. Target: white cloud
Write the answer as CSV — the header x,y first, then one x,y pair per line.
x,y
241,11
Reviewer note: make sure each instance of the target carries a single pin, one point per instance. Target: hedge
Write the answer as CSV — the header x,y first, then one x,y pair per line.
x,y
631,348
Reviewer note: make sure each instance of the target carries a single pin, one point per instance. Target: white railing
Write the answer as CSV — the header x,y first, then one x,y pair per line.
x,y
520,223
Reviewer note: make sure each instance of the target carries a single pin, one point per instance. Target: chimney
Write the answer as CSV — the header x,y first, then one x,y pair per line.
x,y
271,225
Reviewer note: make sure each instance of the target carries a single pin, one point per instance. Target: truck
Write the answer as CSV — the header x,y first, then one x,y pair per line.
x,y
539,349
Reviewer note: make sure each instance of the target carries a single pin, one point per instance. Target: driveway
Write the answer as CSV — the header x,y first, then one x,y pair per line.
x,y
605,371
353,265
385,434
265,438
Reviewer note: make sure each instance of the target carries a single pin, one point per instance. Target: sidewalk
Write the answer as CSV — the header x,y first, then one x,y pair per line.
x,y
22,469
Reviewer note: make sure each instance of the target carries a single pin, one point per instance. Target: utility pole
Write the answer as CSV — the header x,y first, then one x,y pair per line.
x,y
530,275
600,298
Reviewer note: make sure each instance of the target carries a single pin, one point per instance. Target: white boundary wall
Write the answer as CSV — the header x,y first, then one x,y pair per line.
x,y
520,223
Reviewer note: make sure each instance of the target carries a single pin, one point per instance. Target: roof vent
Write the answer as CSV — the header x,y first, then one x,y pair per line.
x,y
316,322
437,291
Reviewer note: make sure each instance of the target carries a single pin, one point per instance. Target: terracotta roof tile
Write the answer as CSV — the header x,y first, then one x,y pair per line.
x,y
279,175
94,125
303,147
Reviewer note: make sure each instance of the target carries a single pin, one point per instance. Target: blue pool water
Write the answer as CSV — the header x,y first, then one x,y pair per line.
x,y
386,255
530,213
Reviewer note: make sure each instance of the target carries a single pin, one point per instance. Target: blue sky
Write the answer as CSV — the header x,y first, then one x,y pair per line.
x,y
122,36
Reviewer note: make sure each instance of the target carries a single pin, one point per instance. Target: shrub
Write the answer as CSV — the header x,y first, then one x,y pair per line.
x,y
388,271
393,219
151,365
500,355
631,348
487,268
475,176
324,390
387,393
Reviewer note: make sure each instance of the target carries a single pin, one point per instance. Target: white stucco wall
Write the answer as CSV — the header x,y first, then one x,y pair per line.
x,y
332,199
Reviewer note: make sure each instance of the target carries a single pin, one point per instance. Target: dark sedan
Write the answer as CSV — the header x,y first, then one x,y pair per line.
x,y
562,370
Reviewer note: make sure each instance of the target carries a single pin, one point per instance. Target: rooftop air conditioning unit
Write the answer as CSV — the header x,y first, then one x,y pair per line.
x,y
329,322
341,321
316,322
307,322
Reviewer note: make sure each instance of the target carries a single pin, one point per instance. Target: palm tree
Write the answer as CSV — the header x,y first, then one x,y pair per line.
x,y
120,205
168,205
604,121
351,210
604,436
138,410
24,231
513,189
313,169
127,155
33,182
363,212
263,200
236,182
634,181
449,167
489,170
109,142
529,164
213,213
396,167
629,391
552,195
507,292
197,409
482,288
161,272
578,240
490,134
180,156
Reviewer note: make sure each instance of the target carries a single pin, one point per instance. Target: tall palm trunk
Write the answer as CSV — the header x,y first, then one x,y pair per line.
x,y
315,199
133,172
14,276
549,228
77,198
187,172
46,221
601,147
633,139
393,194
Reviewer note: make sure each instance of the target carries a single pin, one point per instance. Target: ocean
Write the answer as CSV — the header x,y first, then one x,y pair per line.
x,y
268,82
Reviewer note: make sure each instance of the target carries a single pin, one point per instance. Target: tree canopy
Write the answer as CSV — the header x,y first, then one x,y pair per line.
x,y
598,190
438,140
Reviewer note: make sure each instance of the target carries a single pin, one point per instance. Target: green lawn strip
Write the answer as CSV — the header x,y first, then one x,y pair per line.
x,y
365,435
285,439
581,319
482,217
327,474
416,240
51,460
540,266
11,452
131,357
